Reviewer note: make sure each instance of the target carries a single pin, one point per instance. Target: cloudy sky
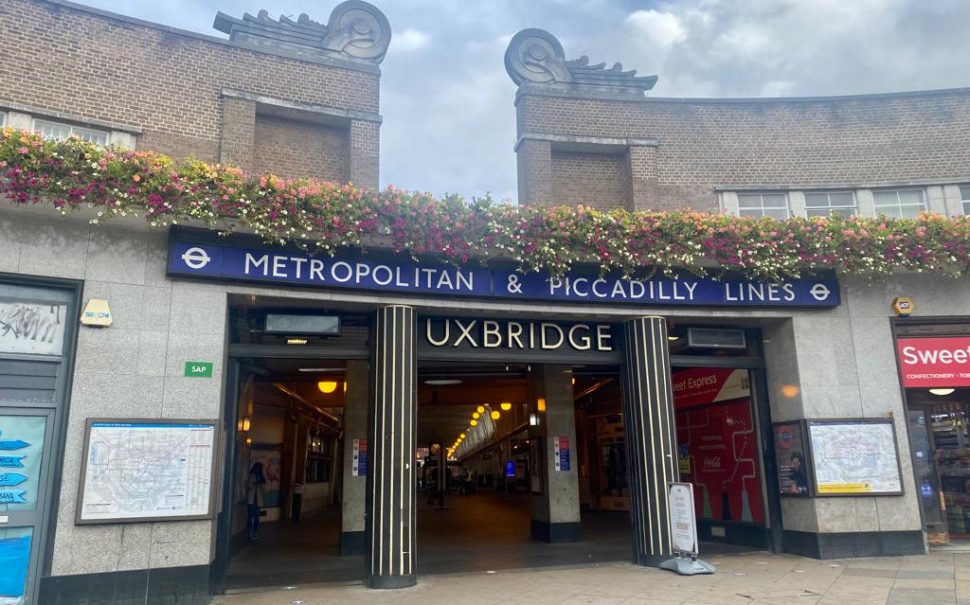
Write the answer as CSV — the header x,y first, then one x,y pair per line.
x,y
449,122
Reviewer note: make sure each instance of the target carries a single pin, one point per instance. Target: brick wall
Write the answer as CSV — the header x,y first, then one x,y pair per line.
x,y
293,149
704,144
591,179
167,83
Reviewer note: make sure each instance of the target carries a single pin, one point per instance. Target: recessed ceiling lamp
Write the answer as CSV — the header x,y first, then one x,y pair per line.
x,y
296,341
327,386
673,337
437,382
475,415
506,406
322,369
473,423
496,414
462,435
942,392
480,409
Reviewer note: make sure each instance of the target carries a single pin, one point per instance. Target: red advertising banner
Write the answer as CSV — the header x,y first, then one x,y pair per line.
x,y
700,386
934,362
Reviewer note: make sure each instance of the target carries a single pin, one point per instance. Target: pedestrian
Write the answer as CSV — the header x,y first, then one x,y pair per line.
x,y
254,499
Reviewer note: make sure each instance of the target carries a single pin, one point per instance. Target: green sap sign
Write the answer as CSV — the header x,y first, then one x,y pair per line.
x,y
198,369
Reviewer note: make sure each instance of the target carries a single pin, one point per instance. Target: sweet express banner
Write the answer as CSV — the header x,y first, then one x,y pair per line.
x,y
191,254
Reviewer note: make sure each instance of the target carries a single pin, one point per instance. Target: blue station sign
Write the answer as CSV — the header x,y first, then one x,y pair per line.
x,y
229,261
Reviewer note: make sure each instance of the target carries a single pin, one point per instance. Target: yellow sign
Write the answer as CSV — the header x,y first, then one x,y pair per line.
x,y
96,313
845,488
685,466
903,306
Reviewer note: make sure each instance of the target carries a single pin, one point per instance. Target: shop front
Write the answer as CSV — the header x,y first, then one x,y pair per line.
x,y
934,369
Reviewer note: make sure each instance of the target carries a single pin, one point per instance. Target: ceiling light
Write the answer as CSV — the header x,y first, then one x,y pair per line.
x,y
296,341
473,423
322,369
672,338
462,436
506,406
496,414
541,404
942,392
327,386
574,381
475,415
437,382
480,409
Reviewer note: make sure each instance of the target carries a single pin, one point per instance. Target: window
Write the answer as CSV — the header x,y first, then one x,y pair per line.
x,y
900,203
60,131
830,203
3,119
757,205
965,196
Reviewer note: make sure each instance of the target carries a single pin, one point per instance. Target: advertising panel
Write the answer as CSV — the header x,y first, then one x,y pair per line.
x,y
718,444
790,452
934,362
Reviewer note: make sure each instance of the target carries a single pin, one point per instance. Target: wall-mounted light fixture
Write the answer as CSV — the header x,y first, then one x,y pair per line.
x,y
327,386
506,406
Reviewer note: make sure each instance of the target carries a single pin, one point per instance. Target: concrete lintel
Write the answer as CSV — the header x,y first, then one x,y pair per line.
x,y
845,186
584,143
41,112
306,111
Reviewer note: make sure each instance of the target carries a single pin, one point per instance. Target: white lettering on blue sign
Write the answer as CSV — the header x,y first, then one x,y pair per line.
x,y
217,261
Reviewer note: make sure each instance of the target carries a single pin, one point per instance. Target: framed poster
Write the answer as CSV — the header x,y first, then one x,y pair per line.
x,y
791,452
855,457
146,469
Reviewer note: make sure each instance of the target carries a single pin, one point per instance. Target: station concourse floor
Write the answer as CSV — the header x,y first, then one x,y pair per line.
x,y
476,533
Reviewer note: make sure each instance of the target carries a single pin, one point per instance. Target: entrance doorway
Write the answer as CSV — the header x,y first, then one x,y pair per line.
x,y
482,473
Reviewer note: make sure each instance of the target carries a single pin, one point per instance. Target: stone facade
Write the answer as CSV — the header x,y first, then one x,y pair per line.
x,y
186,94
702,147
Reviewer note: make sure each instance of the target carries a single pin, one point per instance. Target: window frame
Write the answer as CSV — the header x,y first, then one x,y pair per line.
x,y
965,197
762,208
3,118
854,208
73,129
899,206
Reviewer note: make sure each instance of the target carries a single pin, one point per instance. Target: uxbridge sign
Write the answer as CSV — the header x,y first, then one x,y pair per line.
x,y
517,340
192,255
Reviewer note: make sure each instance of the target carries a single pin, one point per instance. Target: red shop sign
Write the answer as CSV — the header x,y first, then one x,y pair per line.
x,y
700,386
934,362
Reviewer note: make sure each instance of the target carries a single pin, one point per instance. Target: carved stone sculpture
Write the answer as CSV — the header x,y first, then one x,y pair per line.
x,y
535,57
356,30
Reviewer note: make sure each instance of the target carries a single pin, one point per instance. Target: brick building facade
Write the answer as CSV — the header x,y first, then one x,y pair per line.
x,y
264,107
603,143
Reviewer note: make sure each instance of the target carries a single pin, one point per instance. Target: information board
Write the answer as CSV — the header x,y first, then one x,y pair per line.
x,y
854,457
683,524
137,470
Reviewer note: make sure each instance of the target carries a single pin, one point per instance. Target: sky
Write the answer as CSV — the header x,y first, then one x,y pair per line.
x,y
449,118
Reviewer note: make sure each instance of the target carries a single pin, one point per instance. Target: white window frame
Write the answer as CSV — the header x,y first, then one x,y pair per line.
x,y
965,197
853,209
898,207
88,134
760,211
3,119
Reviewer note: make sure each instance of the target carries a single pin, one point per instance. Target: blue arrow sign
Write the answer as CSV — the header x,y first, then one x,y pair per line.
x,y
11,461
13,445
13,497
11,479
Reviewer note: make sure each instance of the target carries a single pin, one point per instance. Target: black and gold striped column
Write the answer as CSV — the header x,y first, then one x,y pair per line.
x,y
648,410
390,481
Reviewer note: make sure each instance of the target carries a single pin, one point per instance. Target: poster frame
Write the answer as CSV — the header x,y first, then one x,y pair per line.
x,y
215,463
852,422
806,453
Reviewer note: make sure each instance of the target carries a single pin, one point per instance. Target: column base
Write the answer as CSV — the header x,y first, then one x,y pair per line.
x,y
844,545
650,560
353,543
391,582
556,532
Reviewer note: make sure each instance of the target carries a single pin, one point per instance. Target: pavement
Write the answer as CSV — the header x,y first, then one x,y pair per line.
x,y
756,578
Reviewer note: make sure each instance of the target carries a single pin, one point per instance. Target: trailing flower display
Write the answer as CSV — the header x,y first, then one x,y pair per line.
x,y
329,216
